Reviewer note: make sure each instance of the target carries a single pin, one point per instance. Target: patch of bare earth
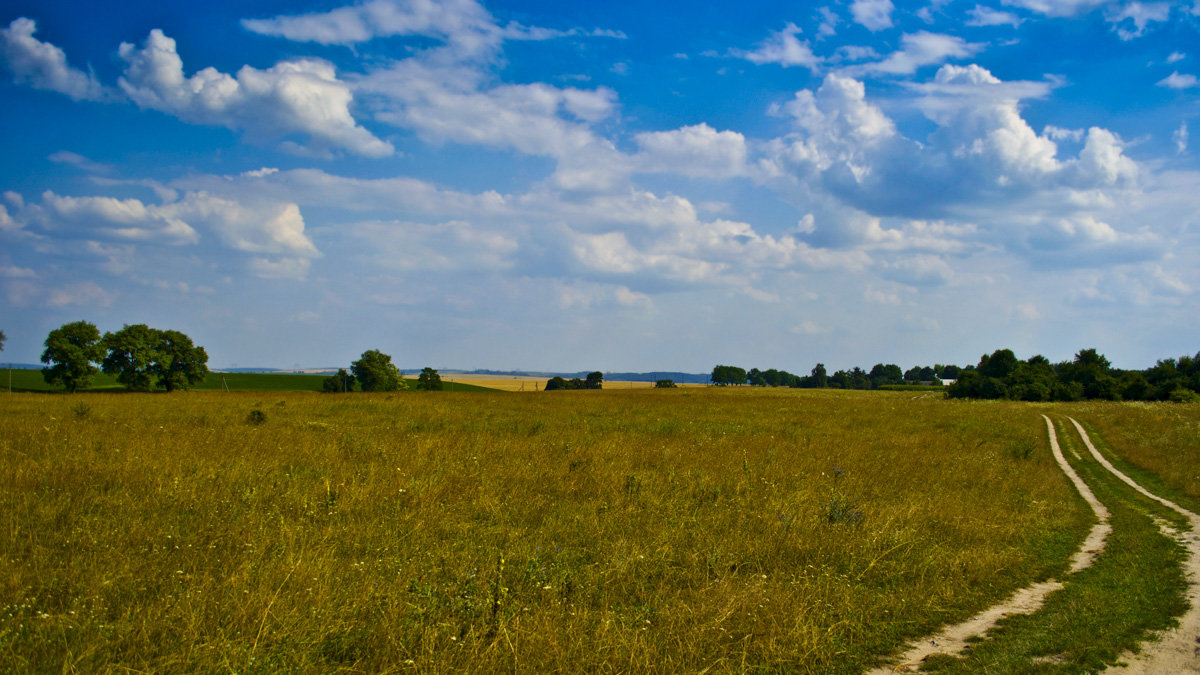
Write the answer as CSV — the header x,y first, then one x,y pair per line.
x,y
954,639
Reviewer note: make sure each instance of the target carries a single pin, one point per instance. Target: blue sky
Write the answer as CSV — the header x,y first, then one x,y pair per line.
x,y
613,186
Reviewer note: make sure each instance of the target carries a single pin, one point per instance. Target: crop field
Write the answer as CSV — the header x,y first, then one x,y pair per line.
x,y
692,529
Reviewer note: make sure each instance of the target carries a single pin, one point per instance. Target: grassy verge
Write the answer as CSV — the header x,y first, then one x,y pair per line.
x,y
627,530
1133,589
1156,444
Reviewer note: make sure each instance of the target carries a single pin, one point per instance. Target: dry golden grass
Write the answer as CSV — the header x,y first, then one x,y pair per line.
x,y
1161,438
601,531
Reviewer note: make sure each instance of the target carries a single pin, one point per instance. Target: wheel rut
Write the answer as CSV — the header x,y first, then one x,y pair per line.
x,y
954,639
1177,650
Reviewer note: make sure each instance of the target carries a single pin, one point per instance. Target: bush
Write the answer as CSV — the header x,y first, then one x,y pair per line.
x,y
1182,395
664,384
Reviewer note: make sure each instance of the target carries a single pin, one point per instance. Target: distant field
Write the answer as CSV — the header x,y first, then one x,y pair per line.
x,y
679,530
31,380
523,383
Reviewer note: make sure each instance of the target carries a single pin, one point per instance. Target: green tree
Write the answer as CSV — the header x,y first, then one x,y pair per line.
x,y
664,384
132,351
177,362
429,380
819,378
556,383
375,372
72,349
595,380
340,383
727,375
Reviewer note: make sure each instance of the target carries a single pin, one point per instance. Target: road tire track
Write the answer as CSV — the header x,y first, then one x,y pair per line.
x,y
953,639
1178,649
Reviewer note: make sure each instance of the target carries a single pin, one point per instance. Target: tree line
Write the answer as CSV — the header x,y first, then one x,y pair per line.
x,y
142,358
1001,375
1089,376
880,375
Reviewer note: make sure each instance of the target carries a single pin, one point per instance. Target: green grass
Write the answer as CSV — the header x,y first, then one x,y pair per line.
x,y
1133,589
687,530
32,381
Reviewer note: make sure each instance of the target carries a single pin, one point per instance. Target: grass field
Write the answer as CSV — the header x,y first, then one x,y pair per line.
x,y
664,530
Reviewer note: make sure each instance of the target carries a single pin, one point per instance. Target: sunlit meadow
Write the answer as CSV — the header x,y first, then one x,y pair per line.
x,y
730,530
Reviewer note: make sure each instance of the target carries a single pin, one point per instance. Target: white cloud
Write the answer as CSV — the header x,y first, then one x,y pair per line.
x,y
292,97
79,161
448,246
43,65
272,228
829,22
697,150
986,16
1180,138
1176,57
116,219
257,226
467,29
1058,8
782,48
875,15
280,268
917,51
1177,81
1140,15
83,293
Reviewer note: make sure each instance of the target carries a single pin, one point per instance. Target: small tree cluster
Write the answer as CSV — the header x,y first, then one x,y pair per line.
x,y
595,380
664,384
141,357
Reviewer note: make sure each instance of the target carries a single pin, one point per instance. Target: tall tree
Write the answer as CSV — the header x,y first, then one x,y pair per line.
x,y
72,349
595,380
132,351
375,372
178,363
429,380
340,383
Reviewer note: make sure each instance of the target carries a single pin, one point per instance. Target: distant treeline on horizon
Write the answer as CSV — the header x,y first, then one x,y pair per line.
x,y
1001,375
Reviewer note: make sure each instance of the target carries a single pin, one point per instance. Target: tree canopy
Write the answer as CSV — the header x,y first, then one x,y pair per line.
x,y
71,350
429,380
727,375
375,372
339,383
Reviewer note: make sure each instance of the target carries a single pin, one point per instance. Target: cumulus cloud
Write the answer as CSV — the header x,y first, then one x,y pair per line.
x,y
1180,138
917,51
42,65
1140,15
110,218
986,16
262,227
292,97
1177,81
697,150
454,245
782,48
874,15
